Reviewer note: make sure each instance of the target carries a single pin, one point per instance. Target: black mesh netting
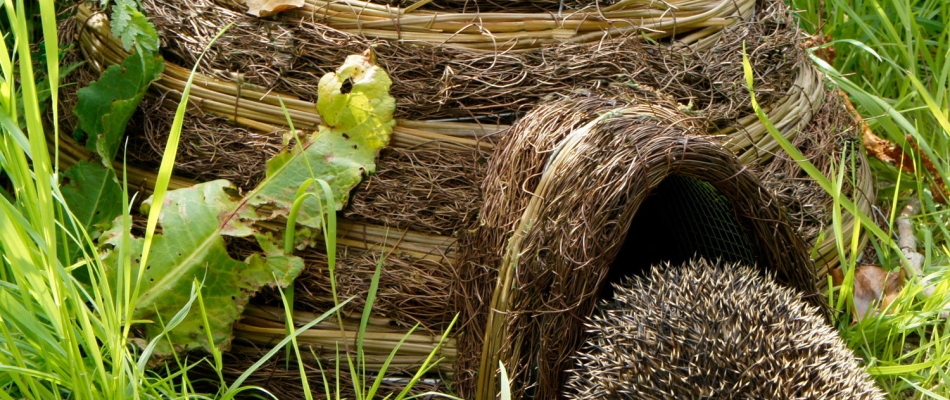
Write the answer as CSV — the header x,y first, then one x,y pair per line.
x,y
684,218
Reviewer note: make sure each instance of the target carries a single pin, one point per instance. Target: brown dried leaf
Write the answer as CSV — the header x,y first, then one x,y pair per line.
x,y
939,191
874,288
876,146
263,8
837,276
893,154
826,53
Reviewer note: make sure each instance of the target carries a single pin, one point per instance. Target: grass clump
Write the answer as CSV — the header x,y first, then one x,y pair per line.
x,y
62,336
59,338
890,58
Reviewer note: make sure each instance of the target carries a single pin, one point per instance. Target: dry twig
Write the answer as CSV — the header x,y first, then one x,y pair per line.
x,y
908,242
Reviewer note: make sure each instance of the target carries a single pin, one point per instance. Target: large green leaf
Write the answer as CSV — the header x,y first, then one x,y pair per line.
x,y
94,197
195,220
105,106
359,124
191,246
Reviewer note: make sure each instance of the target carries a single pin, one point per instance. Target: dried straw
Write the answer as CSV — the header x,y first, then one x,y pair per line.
x,y
709,80
435,79
415,282
429,191
281,377
266,326
257,108
507,31
510,6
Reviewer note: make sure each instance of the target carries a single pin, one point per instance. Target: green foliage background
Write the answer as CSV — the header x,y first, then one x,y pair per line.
x,y
891,59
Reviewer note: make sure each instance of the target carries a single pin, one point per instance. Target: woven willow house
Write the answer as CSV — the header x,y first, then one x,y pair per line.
x,y
542,150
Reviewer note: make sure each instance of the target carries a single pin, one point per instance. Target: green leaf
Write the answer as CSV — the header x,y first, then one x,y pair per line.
x,y
105,106
366,109
133,27
359,124
195,220
94,197
191,246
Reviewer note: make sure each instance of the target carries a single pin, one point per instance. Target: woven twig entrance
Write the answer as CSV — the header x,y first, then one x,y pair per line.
x,y
560,198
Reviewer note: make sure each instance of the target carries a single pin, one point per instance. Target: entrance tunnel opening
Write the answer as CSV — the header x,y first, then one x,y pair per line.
x,y
682,218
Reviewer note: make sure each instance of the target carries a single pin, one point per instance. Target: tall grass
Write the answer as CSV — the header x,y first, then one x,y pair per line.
x,y
53,345
891,59
60,338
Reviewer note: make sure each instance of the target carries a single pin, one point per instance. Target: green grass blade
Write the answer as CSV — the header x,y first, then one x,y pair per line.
x,y
257,365
428,363
371,393
809,168
168,160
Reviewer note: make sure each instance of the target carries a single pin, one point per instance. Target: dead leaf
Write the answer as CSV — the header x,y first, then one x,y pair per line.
x,y
826,53
939,191
874,145
837,277
263,8
874,288
894,154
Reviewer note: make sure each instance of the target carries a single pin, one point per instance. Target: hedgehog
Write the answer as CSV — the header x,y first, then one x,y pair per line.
x,y
713,330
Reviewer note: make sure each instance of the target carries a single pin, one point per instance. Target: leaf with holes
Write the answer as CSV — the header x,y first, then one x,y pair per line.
x,y
191,246
359,124
194,220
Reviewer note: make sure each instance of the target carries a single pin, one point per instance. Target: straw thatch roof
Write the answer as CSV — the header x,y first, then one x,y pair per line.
x,y
238,125
434,78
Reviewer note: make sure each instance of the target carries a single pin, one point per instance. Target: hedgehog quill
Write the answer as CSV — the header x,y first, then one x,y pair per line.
x,y
713,330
